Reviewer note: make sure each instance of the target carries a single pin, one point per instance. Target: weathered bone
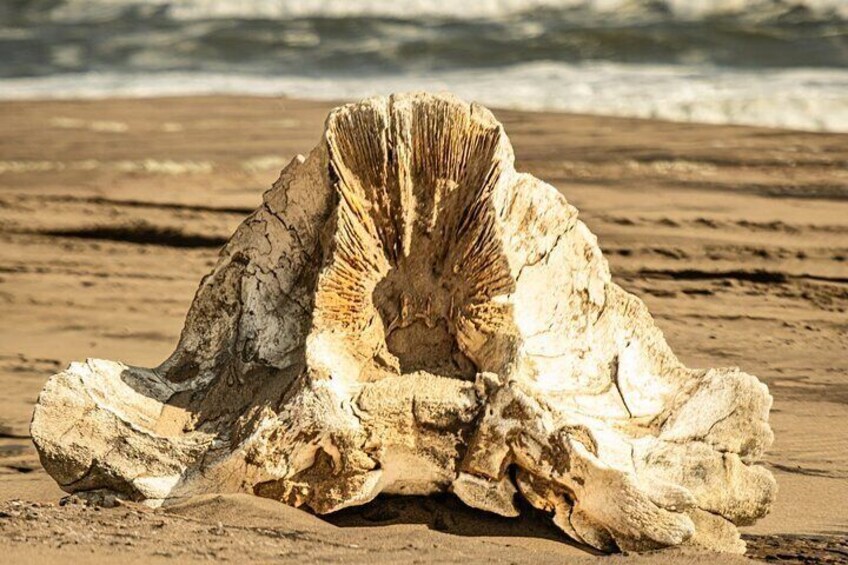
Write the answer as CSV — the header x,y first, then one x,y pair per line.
x,y
407,314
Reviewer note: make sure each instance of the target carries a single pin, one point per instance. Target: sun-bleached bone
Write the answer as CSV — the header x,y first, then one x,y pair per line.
x,y
406,313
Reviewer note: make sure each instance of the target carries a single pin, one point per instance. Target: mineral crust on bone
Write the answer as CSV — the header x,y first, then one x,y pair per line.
x,y
406,313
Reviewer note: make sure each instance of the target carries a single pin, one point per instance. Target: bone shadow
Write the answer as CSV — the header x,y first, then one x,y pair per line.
x,y
447,514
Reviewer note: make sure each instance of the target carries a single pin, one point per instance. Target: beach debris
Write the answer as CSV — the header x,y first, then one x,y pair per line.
x,y
407,314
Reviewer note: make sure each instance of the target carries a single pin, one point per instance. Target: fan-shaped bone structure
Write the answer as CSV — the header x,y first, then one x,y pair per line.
x,y
406,313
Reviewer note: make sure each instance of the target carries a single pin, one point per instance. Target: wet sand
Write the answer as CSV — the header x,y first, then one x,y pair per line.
x,y
111,211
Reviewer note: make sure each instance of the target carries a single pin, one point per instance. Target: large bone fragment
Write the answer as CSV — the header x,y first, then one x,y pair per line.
x,y
407,314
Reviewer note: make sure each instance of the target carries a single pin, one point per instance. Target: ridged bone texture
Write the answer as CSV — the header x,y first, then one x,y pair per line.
x,y
407,314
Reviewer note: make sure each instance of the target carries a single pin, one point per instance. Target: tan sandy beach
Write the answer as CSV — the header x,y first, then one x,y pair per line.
x,y
112,210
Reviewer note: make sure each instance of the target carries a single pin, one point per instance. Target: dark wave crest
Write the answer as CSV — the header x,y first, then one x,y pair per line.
x,y
45,37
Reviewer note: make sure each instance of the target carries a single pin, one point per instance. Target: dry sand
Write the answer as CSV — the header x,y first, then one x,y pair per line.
x,y
111,212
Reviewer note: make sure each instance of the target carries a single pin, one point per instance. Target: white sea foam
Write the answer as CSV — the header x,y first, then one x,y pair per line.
x,y
809,99
75,10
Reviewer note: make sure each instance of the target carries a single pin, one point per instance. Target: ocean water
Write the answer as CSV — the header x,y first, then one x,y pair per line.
x,y
777,63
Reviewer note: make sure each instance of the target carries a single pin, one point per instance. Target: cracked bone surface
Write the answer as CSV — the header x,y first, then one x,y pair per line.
x,y
406,313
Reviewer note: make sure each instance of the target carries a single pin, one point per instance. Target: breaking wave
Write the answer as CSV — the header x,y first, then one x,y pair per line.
x,y
766,62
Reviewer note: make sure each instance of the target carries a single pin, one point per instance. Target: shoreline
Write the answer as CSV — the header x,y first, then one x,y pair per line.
x,y
802,98
331,102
